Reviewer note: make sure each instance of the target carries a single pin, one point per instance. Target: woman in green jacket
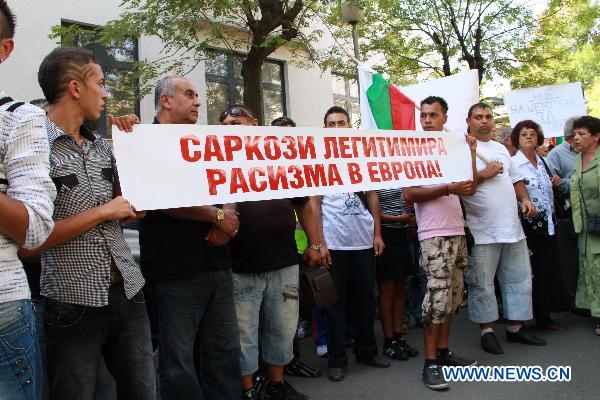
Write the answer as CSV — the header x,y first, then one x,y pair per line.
x,y
585,202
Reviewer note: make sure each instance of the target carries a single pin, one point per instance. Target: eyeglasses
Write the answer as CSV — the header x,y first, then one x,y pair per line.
x,y
235,112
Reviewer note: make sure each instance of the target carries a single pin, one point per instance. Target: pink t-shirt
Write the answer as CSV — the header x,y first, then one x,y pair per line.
x,y
440,217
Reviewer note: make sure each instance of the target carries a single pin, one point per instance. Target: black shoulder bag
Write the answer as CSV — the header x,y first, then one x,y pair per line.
x,y
592,221
561,207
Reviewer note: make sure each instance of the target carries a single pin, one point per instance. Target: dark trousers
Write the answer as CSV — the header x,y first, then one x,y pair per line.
x,y
416,284
546,279
353,273
77,337
568,247
199,344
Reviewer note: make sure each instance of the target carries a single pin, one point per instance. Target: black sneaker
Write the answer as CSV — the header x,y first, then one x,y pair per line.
x,y
433,377
407,348
251,394
454,360
260,381
283,391
298,368
394,352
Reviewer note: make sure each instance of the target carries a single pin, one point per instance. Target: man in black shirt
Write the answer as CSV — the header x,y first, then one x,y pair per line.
x,y
188,269
265,266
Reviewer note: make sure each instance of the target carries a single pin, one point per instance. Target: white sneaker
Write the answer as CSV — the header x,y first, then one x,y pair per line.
x,y
322,351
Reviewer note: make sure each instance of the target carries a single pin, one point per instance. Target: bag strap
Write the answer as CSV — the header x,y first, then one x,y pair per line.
x,y
581,194
15,106
550,174
5,100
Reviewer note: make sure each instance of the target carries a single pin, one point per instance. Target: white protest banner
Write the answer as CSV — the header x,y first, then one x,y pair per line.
x,y
549,106
460,91
169,166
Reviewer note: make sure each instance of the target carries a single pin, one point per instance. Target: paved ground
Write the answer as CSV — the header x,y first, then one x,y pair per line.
x,y
577,346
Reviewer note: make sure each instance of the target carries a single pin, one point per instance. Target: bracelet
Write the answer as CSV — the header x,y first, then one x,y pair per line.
x,y
316,247
220,215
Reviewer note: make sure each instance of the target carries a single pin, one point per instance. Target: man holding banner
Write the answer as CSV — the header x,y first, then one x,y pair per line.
x,y
443,253
500,248
188,269
265,280
351,229
95,304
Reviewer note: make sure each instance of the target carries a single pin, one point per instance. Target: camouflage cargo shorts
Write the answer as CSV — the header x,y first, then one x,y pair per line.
x,y
443,259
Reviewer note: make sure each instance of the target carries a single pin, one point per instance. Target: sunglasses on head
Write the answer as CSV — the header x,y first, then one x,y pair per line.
x,y
235,112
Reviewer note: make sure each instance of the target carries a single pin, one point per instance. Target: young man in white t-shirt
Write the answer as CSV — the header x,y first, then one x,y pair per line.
x,y
500,248
350,229
443,253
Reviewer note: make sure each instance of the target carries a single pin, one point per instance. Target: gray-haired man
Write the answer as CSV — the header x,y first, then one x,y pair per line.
x,y
188,270
561,161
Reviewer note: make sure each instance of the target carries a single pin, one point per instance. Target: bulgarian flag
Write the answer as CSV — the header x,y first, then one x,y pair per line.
x,y
382,105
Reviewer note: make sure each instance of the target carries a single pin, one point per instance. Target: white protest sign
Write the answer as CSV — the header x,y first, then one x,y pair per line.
x,y
460,91
169,166
549,106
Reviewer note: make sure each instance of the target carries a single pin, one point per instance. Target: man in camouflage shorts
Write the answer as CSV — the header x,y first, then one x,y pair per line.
x,y
443,258
443,253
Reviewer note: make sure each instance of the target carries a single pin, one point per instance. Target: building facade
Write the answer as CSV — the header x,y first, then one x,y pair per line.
x,y
303,94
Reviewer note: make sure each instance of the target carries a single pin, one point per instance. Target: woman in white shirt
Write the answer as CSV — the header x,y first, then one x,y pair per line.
x,y
541,239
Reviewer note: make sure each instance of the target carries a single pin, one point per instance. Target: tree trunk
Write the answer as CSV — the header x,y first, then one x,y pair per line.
x,y
446,65
478,60
251,72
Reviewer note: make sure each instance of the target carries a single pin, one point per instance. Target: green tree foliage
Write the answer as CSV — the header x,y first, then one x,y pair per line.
x,y
443,37
565,48
188,28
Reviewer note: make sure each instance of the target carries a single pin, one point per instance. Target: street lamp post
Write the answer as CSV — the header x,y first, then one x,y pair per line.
x,y
352,13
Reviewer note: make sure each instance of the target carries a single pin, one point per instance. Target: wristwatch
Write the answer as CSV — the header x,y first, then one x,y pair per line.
x,y
316,247
220,215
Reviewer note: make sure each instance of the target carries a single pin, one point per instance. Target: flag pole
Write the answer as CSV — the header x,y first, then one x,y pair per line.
x,y
481,156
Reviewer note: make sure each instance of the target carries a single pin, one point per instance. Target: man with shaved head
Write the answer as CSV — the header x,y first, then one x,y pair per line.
x,y
95,305
26,195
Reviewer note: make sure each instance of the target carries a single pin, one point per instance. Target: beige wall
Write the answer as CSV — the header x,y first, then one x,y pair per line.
x,y
308,91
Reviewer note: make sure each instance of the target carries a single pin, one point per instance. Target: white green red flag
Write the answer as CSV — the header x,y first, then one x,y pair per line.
x,y
382,105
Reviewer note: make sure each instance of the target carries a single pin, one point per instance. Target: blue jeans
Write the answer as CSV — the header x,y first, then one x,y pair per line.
x,y
199,343
320,327
20,363
510,263
78,336
276,294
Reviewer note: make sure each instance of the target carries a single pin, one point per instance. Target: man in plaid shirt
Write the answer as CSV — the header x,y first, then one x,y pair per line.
x,y
95,304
